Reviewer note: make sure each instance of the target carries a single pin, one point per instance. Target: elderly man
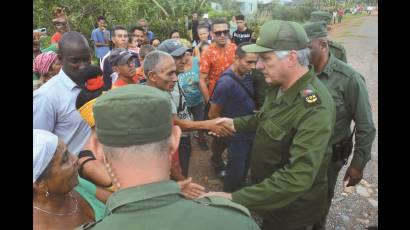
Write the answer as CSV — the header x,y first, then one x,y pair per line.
x,y
54,103
349,92
137,147
337,49
160,69
292,148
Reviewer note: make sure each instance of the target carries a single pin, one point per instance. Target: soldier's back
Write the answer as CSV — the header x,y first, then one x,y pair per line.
x,y
169,210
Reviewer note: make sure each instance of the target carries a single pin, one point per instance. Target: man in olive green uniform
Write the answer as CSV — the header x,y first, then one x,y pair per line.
x,y
134,126
336,49
292,148
349,93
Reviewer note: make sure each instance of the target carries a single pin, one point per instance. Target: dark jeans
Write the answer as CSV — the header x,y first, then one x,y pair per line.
x,y
198,113
184,151
238,164
218,147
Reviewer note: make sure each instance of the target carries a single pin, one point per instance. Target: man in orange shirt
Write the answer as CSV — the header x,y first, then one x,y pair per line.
x,y
123,63
214,61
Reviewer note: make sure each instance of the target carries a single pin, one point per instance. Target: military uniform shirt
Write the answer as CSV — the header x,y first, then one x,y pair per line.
x,y
290,154
161,206
338,51
348,90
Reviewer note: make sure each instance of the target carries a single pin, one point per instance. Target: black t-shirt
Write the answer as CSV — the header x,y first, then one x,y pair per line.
x,y
241,36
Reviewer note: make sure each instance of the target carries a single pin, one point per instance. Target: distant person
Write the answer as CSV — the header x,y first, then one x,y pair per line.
x,y
340,14
203,33
174,34
133,44
46,65
155,42
193,29
334,16
145,25
60,22
139,33
101,38
243,33
232,25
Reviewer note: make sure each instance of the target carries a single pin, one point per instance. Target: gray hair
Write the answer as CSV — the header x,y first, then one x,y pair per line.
x,y
303,55
152,59
152,151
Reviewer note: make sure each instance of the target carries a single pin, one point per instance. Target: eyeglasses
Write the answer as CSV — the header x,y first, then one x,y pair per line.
x,y
219,33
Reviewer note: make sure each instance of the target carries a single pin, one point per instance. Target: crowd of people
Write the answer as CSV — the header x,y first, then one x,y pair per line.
x,y
112,142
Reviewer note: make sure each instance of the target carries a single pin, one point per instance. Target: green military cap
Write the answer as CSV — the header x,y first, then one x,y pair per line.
x,y
132,115
315,29
279,35
320,16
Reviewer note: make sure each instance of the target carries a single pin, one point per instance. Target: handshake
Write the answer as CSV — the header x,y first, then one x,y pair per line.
x,y
221,127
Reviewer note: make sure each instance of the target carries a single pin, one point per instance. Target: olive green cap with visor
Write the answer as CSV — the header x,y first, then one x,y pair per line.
x,y
278,35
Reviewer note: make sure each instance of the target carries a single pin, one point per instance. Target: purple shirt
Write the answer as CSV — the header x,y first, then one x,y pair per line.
x,y
233,98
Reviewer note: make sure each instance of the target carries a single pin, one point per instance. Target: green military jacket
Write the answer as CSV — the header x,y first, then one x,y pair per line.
x,y
349,92
260,87
162,206
338,51
290,154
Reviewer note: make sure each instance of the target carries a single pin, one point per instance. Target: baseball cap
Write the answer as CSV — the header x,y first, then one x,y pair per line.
x,y
120,56
173,47
279,35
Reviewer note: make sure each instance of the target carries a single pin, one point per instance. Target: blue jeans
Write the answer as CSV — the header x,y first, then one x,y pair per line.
x,y
184,151
238,164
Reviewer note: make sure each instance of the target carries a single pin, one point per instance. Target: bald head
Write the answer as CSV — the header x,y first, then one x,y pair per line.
x,y
75,54
71,40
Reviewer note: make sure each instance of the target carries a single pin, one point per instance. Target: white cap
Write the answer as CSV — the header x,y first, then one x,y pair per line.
x,y
44,147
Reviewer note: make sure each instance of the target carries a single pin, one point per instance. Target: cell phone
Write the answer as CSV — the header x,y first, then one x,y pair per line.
x,y
41,30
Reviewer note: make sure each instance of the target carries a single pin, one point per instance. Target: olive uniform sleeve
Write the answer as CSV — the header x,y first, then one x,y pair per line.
x,y
357,98
246,123
307,151
343,55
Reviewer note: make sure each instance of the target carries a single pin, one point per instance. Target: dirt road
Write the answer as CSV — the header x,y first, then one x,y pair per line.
x,y
354,208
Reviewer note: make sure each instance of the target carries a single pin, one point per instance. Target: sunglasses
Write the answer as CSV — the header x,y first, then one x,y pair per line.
x,y
219,33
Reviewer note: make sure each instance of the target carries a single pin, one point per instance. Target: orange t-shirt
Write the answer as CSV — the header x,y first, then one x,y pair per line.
x,y
215,60
119,82
56,37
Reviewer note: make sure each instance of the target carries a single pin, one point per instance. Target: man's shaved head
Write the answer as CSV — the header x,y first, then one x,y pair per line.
x,y
75,54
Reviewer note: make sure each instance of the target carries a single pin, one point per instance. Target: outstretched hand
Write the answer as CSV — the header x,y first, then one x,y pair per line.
x,y
224,127
189,189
